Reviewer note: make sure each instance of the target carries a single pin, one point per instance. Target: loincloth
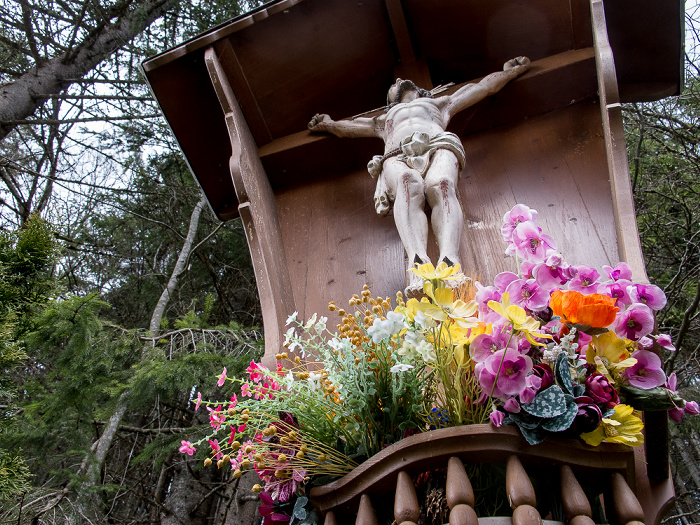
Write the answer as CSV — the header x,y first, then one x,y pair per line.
x,y
416,151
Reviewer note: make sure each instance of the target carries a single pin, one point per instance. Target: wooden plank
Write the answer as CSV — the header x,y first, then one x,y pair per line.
x,y
412,67
263,229
569,66
554,163
472,443
611,112
240,86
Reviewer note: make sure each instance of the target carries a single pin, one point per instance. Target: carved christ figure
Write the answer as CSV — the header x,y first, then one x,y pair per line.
x,y
421,160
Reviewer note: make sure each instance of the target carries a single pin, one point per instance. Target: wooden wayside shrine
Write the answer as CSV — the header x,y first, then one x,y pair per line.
x,y
238,99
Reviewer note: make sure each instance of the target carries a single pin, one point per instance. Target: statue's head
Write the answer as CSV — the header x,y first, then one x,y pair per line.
x,y
400,88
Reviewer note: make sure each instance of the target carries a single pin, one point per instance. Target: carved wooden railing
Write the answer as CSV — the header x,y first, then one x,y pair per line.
x,y
389,476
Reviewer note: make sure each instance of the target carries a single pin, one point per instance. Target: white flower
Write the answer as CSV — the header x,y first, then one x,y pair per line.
x,y
400,367
314,380
292,319
394,322
289,342
310,322
427,351
423,321
378,331
320,326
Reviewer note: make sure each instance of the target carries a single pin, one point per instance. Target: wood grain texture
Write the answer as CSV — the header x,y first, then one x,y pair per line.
x,y
458,489
555,164
473,443
263,231
626,504
611,115
573,499
336,243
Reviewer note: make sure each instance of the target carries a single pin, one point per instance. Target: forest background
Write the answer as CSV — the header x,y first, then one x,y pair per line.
x,y
120,292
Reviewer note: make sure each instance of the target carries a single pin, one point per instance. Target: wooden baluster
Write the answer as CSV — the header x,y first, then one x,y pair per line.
x,y
460,496
330,518
406,509
365,514
521,494
626,504
574,501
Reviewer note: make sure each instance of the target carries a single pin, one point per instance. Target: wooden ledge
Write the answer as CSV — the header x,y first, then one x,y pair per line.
x,y
471,443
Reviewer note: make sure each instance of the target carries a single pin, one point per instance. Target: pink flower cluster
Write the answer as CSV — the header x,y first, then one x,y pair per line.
x,y
504,365
263,385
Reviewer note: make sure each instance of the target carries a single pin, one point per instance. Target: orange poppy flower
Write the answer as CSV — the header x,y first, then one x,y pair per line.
x,y
594,310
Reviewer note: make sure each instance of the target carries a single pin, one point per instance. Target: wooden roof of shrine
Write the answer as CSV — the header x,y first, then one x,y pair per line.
x,y
291,59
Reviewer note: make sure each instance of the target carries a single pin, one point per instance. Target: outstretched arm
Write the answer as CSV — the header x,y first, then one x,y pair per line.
x,y
472,93
359,127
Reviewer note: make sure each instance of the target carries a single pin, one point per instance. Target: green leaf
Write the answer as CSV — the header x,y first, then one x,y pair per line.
x,y
548,403
563,421
563,374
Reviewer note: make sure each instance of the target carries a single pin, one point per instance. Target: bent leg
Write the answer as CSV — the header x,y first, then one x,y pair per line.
x,y
447,218
406,185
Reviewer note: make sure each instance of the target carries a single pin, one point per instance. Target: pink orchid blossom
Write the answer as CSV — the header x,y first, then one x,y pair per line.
x,y
648,294
511,380
483,295
497,417
526,269
552,273
586,280
645,343
222,378
503,279
485,345
187,448
267,511
635,322
517,215
528,294
533,384
621,271
646,373
665,341
511,405
618,291
531,243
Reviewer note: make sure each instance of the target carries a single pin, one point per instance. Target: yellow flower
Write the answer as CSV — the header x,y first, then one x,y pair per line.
x,y
519,319
444,306
622,427
609,353
428,272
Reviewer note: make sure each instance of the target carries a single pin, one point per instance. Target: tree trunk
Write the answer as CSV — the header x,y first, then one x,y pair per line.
x,y
19,99
179,268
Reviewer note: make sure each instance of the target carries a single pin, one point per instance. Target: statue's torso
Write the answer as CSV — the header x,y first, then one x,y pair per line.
x,y
420,115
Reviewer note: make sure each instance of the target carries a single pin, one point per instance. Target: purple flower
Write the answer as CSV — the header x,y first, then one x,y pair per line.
x,y
617,291
665,341
483,295
497,417
645,343
635,322
514,369
544,372
552,274
531,243
677,413
518,214
485,345
533,384
267,510
621,271
647,294
588,416
646,373
599,389
586,280
511,405
503,279
528,294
